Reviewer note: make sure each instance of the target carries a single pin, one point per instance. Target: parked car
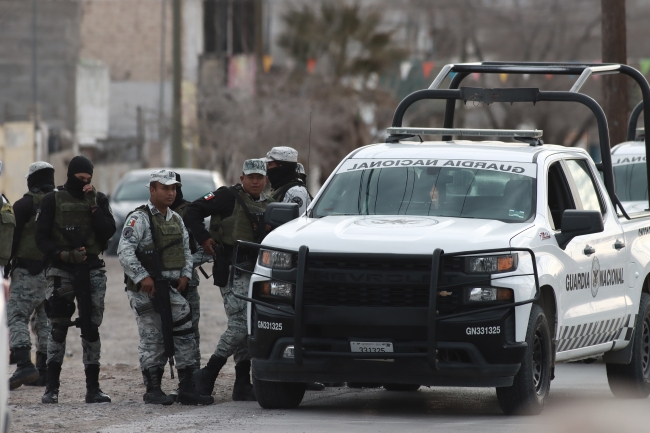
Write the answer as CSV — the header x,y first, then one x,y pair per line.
x,y
131,192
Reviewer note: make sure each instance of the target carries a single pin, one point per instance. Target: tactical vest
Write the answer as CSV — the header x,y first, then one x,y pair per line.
x,y
73,224
168,237
27,245
237,227
7,226
278,194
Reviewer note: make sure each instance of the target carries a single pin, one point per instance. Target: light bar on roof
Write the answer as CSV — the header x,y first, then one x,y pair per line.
x,y
467,132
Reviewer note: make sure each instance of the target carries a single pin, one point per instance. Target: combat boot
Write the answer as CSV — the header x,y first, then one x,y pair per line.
x,y
155,394
243,389
187,394
93,393
205,377
41,366
26,371
52,387
12,358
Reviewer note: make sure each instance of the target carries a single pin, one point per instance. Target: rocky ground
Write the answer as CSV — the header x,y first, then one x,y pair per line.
x,y
120,375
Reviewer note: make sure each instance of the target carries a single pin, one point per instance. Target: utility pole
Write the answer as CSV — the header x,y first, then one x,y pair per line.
x,y
35,113
614,50
177,114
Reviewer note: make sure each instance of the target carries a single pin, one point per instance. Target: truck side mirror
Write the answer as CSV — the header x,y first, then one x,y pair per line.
x,y
277,214
578,223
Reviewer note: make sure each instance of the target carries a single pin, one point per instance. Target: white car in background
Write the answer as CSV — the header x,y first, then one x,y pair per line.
x,y
131,192
630,174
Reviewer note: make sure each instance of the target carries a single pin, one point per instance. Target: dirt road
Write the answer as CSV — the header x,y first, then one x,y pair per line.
x,y
120,375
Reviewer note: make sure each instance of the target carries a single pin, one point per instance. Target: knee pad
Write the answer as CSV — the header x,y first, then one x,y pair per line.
x,y
59,332
58,307
91,335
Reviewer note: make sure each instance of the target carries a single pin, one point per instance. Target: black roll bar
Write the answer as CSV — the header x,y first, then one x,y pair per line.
x,y
634,119
556,68
521,95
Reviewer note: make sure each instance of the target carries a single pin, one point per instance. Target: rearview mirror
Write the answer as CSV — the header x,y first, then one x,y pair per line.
x,y
277,214
578,223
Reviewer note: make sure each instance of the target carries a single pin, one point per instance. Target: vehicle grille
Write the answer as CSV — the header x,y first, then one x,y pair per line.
x,y
369,281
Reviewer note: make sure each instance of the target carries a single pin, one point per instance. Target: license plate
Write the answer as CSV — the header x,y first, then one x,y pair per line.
x,y
371,347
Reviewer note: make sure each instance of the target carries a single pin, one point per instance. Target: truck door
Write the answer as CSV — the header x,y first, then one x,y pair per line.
x,y
594,296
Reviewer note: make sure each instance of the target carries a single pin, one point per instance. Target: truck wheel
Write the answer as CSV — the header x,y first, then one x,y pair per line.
x,y
531,386
633,380
278,395
401,387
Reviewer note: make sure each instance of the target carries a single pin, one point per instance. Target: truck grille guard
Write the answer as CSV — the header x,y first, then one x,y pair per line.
x,y
432,317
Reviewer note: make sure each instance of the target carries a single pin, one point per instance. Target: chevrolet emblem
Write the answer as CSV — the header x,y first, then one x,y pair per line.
x,y
444,293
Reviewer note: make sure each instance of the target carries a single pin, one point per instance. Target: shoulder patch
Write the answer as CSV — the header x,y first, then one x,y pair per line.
x,y
131,221
208,196
297,200
127,232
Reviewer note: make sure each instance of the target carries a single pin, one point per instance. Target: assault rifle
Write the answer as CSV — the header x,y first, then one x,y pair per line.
x,y
81,288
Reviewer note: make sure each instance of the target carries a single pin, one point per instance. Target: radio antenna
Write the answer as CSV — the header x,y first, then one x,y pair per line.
x,y
308,159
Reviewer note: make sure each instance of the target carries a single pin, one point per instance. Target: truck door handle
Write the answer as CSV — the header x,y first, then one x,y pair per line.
x,y
619,244
589,250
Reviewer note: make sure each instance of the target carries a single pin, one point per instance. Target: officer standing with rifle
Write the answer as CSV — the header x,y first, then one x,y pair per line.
x,y
28,283
154,251
237,213
72,229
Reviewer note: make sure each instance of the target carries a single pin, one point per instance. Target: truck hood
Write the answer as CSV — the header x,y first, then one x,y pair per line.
x,y
393,234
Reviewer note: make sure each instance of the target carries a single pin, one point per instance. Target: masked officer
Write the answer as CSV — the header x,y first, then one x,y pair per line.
x,y
72,230
28,283
282,171
198,258
154,226
237,213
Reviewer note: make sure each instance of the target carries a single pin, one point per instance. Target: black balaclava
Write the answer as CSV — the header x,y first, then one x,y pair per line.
x,y
78,164
281,175
179,194
42,179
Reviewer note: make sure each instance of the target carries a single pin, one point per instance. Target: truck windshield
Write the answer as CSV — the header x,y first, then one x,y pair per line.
x,y
430,191
630,181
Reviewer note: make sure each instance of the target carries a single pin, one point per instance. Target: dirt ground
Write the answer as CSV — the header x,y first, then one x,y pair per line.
x,y
120,375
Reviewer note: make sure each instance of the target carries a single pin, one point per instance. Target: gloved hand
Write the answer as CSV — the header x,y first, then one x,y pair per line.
x,y
91,196
75,256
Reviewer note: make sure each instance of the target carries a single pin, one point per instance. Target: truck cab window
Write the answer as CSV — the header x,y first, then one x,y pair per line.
x,y
585,187
559,195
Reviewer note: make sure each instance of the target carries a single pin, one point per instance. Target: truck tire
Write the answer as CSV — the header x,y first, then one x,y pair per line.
x,y
532,384
401,387
278,395
633,380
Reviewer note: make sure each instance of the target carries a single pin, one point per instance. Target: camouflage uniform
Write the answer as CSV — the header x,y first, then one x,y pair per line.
x,y
234,341
27,296
234,215
136,235
59,284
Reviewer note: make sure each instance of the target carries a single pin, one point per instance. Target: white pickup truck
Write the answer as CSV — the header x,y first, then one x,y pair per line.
x,y
456,263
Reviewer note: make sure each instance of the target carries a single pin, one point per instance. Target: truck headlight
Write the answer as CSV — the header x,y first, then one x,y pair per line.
x,y
275,259
276,288
491,264
486,294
